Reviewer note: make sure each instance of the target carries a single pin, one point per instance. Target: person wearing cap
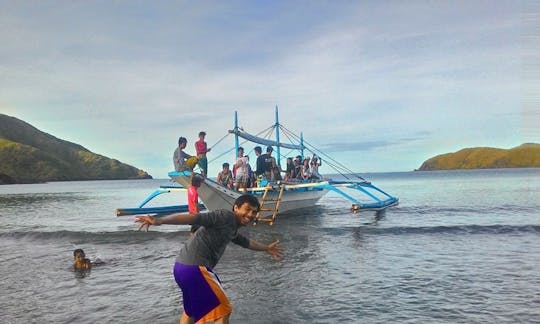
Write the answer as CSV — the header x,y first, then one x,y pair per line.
x,y
201,148
180,157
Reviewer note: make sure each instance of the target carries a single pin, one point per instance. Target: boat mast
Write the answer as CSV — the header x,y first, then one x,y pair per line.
x,y
276,126
302,144
236,142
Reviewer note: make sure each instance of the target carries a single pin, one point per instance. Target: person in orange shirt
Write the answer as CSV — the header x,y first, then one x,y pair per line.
x,y
193,198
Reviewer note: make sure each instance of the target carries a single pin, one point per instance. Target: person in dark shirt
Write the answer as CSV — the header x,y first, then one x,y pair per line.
x,y
203,296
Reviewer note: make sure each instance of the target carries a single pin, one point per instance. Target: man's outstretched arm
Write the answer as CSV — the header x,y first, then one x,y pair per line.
x,y
273,249
174,219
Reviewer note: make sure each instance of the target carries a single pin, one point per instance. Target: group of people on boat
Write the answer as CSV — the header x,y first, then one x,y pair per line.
x,y
241,175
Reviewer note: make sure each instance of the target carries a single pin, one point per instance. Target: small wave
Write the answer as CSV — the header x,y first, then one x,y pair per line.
x,y
455,230
432,210
95,237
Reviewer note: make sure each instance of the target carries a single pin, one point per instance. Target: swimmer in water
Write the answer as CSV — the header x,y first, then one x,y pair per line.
x,y
80,262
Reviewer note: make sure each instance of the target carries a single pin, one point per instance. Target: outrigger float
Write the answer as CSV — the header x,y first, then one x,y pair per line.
x,y
276,197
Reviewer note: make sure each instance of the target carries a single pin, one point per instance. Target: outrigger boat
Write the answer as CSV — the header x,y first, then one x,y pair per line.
x,y
280,197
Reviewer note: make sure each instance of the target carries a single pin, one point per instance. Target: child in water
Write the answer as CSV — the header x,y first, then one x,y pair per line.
x,y
80,261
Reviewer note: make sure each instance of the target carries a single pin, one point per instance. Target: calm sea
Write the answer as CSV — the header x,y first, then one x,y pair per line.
x,y
461,247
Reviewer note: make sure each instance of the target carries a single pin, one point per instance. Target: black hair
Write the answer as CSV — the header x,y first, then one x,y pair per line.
x,y
249,199
202,133
79,251
225,164
258,149
269,149
196,180
182,140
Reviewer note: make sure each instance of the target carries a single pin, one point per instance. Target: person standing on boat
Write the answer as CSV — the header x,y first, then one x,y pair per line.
x,y
204,299
259,169
241,170
179,156
201,148
270,165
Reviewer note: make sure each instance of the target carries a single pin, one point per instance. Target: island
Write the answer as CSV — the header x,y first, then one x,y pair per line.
x,y
29,155
523,156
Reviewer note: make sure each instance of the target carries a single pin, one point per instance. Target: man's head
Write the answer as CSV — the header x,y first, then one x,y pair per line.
x,y
202,134
80,262
225,166
78,253
258,150
182,141
240,151
197,180
269,150
246,208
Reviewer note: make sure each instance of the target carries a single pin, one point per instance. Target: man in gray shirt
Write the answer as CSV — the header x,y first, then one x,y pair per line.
x,y
203,296
179,156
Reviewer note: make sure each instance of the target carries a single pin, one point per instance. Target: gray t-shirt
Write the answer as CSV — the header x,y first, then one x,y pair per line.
x,y
207,245
179,159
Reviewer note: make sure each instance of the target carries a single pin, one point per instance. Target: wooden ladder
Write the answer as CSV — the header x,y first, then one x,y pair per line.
x,y
266,200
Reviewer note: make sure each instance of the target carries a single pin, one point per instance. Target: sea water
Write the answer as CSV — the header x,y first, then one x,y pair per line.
x,y
461,247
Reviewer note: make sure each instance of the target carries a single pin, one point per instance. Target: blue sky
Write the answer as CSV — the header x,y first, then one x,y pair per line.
x,y
379,85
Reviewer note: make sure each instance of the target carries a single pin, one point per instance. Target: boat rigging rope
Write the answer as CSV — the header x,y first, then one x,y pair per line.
x,y
336,165
292,137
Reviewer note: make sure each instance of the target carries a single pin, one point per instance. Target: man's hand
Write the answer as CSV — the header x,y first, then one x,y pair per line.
x,y
274,250
146,221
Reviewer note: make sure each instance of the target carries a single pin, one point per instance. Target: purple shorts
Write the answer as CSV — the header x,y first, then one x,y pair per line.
x,y
203,295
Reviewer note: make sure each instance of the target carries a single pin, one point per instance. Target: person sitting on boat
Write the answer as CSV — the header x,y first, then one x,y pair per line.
x,y
201,148
289,172
305,171
315,164
80,262
298,167
225,177
241,170
259,166
180,157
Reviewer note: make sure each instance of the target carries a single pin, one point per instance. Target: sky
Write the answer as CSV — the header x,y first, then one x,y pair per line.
x,y
380,86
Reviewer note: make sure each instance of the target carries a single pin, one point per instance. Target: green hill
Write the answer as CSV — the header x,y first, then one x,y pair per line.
x,y
523,156
28,155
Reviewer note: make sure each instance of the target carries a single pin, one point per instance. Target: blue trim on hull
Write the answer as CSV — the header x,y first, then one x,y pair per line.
x,y
157,211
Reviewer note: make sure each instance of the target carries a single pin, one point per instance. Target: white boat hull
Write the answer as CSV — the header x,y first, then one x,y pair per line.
x,y
215,196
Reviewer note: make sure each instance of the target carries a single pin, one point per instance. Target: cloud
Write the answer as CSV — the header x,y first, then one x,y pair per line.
x,y
128,80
